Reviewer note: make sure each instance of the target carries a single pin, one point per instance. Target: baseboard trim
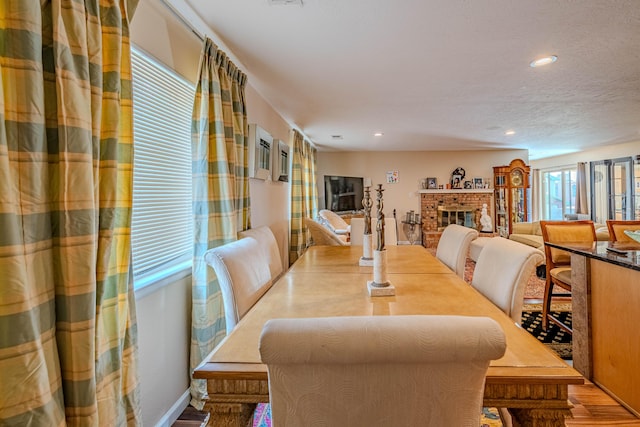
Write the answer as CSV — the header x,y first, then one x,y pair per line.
x,y
175,411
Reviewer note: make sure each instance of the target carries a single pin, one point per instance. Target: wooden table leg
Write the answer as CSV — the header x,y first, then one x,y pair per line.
x,y
230,414
531,417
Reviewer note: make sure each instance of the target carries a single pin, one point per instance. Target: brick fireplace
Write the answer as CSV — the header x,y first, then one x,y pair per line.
x,y
439,208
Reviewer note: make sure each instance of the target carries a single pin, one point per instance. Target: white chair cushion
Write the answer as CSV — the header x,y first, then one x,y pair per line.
x,y
243,274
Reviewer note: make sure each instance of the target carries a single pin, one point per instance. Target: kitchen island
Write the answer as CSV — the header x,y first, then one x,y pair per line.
x,y
606,314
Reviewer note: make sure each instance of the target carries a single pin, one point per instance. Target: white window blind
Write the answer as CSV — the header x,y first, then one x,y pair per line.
x,y
161,229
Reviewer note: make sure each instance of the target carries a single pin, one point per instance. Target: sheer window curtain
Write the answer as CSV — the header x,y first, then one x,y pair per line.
x,y
536,194
304,194
582,206
220,192
67,309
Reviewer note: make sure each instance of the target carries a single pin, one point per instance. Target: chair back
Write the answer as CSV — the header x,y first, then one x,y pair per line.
x,y
243,274
616,231
453,247
379,370
390,231
321,235
269,246
502,272
333,221
576,232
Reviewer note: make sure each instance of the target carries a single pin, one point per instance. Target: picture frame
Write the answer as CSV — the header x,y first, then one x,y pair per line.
x,y
468,185
280,166
260,152
456,181
432,183
478,183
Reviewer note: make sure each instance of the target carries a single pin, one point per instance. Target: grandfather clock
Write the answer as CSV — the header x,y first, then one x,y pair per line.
x,y
511,197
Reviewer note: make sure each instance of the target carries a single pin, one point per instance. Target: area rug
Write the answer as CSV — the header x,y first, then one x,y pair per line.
x,y
554,337
262,416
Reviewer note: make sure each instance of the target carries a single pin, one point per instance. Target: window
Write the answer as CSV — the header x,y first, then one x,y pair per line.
x,y
161,229
558,193
615,186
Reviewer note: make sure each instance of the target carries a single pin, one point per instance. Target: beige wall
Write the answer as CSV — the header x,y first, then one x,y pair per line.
x,y
600,153
164,316
269,199
412,167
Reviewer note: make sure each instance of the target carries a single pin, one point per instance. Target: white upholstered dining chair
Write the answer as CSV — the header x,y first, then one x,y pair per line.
x,y
243,274
269,246
502,272
453,247
379,370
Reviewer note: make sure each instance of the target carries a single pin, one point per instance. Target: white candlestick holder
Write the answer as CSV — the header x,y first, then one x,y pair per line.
x,y
366,260
380,286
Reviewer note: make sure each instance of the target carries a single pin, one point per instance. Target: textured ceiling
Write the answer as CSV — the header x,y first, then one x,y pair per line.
x,y
441,74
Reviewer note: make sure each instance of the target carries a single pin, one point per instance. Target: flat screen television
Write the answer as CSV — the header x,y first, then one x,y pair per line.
x,y
343,193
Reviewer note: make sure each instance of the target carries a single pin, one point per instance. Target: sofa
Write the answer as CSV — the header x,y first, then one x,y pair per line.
x,y
530,233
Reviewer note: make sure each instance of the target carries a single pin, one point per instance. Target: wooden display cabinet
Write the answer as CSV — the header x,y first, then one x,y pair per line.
x,y
511,196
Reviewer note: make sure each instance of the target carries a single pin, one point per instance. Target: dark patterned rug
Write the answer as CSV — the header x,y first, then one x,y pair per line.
x,y
554,337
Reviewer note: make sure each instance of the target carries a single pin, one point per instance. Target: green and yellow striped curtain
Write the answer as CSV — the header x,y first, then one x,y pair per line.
x,y
67,313
220,192
304,194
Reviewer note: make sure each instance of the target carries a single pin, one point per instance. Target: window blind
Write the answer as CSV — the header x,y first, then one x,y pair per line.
x,y
161,229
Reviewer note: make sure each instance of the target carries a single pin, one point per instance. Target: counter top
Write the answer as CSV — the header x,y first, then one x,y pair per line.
x,y
630,258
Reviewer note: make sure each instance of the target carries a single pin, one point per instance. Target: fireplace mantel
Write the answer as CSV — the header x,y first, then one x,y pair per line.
x,y
430,200
457,191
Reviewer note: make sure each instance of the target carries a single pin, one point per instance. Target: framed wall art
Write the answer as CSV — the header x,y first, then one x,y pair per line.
x,y
457,178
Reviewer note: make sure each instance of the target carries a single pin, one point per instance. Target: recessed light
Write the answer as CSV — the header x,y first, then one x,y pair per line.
x,y
510,132
543,61
378,134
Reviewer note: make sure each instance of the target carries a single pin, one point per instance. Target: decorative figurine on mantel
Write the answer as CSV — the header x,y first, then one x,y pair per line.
x,y
380,286
367,239
485,220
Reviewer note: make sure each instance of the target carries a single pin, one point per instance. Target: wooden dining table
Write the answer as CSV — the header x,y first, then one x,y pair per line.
x,y
529,380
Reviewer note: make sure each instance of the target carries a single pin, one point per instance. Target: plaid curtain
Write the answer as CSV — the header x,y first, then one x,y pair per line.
x,y
220,192
67,314
304,194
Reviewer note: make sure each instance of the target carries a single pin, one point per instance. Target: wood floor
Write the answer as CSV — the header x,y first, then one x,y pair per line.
x,y
593,407
191,417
